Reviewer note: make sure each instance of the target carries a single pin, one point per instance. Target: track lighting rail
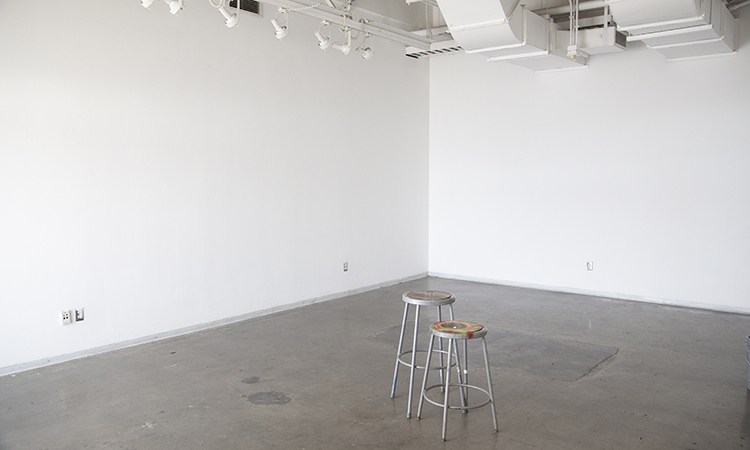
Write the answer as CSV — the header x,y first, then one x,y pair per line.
x,y
338,17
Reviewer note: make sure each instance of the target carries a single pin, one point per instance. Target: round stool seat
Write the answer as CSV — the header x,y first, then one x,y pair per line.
x,y
458,329
428,298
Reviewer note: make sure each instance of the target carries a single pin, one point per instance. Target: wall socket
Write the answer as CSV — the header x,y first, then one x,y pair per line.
x,y
71,316
346,267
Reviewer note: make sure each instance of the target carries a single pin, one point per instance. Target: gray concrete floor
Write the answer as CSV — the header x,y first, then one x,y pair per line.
x,y
569,371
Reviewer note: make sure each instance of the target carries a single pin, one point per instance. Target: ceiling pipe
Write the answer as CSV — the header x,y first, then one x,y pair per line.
x,y
566,9
427,2
735,6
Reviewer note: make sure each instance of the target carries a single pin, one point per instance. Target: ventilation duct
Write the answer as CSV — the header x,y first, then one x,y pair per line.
x,y
678,28
501,30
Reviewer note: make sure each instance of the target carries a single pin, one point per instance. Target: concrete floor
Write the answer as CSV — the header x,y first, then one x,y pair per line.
x,y
570,372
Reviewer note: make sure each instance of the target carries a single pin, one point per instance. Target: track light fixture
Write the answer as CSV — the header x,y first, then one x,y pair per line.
x,y
346,46
231,19
323,41
281,24
281,30
364,48
174,5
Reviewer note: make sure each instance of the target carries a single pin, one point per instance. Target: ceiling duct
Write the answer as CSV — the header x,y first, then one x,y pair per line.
x,y
678,28
495,28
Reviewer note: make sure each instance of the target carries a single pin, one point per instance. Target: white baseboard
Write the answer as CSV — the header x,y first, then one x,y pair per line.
x,y
612,295
8,370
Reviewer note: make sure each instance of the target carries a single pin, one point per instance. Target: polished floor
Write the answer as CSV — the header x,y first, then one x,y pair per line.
x,y
569,372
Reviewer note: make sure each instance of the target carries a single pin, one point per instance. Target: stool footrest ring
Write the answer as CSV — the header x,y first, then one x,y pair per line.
x,y
465,408
408,363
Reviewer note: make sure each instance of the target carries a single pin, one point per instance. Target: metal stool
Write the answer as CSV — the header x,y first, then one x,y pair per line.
x,y
455,330
419,299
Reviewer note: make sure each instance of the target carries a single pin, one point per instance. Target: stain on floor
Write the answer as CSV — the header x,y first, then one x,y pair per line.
x,y
269,398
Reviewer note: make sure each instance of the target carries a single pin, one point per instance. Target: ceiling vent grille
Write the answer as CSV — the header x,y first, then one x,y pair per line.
x,y
417,53
250,6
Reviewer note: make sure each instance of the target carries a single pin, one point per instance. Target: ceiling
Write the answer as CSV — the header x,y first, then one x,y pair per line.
x,y
538,34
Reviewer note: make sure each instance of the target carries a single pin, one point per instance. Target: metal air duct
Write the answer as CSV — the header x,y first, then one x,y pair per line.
x,y
678,28
500,30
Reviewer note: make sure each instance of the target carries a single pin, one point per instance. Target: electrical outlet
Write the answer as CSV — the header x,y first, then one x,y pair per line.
x,y
346,267
66,317
79,315
590,265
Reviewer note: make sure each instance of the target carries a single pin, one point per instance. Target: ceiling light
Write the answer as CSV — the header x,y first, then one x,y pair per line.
x,y
174,5
232,19
364,48
147,3
323,41
281,30
347,46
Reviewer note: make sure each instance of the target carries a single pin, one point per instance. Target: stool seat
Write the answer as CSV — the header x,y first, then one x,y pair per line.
x,y
428,298
458,329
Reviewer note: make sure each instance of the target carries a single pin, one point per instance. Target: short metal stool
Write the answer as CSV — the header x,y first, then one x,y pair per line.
x,y
455,330
419,299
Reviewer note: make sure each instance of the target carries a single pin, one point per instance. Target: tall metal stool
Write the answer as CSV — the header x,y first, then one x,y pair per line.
x,y
419,299
455,330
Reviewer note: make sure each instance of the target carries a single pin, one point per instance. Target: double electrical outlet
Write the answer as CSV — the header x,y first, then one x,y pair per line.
x,y
71,316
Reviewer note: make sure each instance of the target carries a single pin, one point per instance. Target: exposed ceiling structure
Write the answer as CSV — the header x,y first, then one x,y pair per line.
x,y
537,34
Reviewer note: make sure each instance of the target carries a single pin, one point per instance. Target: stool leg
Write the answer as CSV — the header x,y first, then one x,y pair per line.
x,y
400,347
440,346
462,389
447,392
489,383
465,391
413,362
424,378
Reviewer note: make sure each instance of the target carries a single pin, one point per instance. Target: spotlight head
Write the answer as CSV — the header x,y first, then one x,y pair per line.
x,y
346,47
367,53
232,19
323,42
147,3
280,31
175,6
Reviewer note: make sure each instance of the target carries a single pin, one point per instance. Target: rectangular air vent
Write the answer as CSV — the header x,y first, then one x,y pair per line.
x,y
250,6
417,53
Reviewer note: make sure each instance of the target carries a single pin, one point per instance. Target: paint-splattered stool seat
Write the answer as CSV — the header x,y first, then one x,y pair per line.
x,y
454,331
419,299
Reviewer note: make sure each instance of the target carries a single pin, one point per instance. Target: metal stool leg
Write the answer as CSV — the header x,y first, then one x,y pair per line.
x,y
440,346
424,378
465,390
400,348
447,392
461,379
413,362
489,383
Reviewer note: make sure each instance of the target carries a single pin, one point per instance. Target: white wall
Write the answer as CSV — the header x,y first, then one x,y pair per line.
x,y
163,172
637,164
